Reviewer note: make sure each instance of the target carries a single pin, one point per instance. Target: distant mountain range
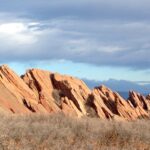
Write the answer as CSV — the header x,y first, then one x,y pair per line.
x,y
122,86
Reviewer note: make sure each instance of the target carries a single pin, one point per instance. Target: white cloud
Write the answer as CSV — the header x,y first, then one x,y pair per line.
x,y
17,32
12,28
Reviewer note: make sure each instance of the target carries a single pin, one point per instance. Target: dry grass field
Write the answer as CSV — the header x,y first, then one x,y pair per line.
x,y
58,132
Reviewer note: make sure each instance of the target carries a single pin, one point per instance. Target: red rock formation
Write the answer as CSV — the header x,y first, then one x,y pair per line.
x,y
120,107
73,88
140,103
138,100
41,91
51,90
15,95
40,83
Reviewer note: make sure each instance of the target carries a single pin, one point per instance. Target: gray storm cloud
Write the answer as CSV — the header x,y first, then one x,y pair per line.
x,y
110,33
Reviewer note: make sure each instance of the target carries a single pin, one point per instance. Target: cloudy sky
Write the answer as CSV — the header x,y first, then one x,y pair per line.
x,y
93,39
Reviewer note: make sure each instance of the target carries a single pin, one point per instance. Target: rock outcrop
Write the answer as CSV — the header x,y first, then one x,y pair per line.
x,y
121,107
15,95
40,91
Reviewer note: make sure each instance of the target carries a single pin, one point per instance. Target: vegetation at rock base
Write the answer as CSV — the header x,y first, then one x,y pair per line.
x,y
59,132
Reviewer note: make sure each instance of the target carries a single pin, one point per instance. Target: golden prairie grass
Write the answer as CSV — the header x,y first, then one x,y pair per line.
x,y
58,132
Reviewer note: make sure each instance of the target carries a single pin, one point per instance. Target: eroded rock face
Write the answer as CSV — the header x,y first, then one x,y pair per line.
x,y
140,103
41,91
139,100
72,88
15,95
40,83
123,108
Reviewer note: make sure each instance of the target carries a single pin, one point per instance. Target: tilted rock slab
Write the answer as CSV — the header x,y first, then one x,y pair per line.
x,y
40,91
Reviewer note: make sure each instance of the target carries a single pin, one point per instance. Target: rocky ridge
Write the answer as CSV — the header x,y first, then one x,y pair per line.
x,y
40,91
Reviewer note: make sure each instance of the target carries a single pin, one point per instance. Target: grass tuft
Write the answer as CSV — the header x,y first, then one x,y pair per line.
x,y
59,132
